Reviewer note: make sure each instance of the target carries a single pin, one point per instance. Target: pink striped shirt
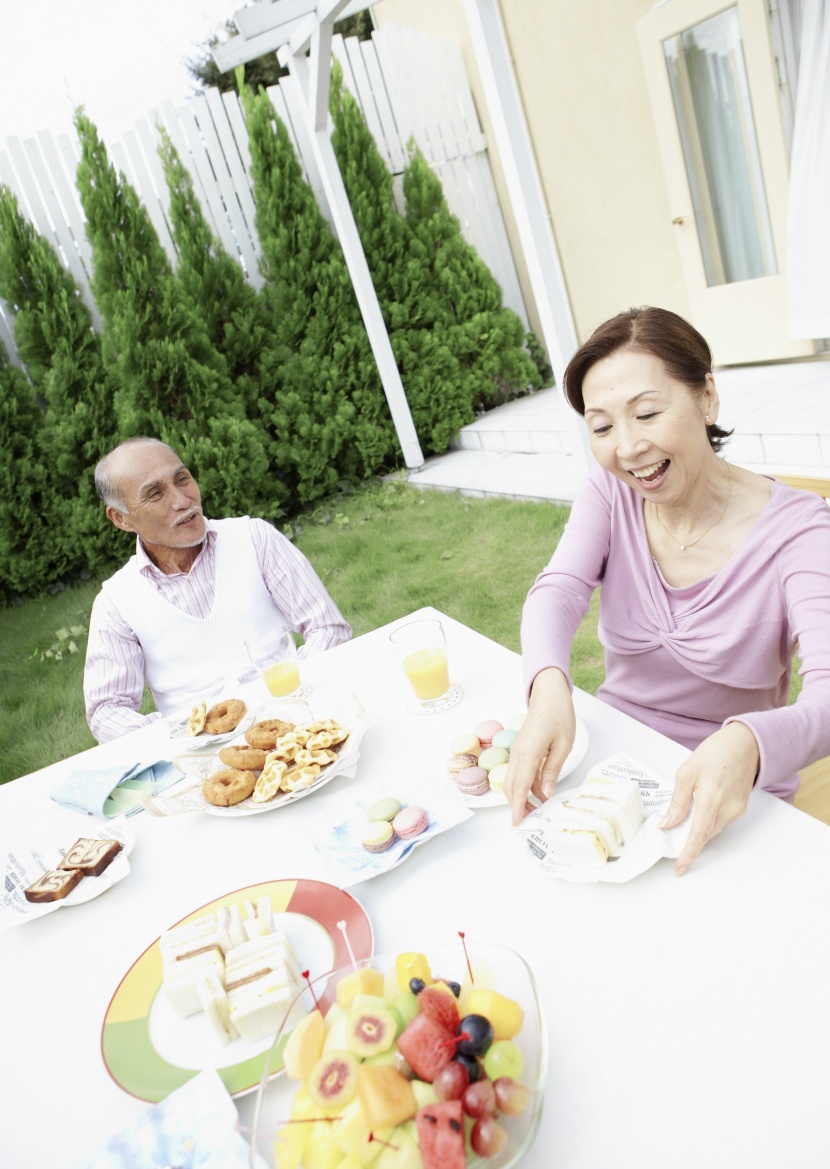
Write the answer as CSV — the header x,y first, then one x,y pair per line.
x,y
114,673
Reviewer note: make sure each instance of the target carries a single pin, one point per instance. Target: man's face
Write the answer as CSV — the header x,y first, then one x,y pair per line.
x,y
162,500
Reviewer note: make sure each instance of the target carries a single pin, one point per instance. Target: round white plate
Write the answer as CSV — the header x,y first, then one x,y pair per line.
x,y
494,799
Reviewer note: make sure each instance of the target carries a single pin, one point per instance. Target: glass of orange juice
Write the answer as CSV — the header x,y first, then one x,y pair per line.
x,y
421,649
274,654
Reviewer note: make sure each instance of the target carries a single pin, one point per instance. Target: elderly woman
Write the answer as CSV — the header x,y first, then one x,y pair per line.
x,y
710,574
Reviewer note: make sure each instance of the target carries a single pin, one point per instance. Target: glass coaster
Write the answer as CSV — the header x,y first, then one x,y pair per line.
x,y
436,705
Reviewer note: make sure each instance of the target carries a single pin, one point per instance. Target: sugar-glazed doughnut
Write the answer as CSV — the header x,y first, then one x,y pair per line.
x,y
228,787
265,734
243,757
224,716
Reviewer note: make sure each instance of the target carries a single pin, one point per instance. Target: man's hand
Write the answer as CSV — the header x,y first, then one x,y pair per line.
x,y
720,775
542,745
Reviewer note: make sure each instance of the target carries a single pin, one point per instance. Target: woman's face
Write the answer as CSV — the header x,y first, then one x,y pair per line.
x,y
647,428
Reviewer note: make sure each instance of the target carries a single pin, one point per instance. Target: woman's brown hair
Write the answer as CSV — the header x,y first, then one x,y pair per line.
x,y
682,350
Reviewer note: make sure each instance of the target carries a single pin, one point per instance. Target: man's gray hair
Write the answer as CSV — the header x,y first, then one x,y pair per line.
x,y
105,482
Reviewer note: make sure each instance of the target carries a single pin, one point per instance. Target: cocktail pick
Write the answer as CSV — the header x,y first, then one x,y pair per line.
x,y
305,974
341,925
462,935
380,1141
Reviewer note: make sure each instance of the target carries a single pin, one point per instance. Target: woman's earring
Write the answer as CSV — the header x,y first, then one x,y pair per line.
x,y
708,420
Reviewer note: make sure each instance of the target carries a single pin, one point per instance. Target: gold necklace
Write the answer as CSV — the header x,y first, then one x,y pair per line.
x,y
697,539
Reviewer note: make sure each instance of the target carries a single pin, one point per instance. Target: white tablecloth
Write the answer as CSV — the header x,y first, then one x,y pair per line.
x,y
688,1019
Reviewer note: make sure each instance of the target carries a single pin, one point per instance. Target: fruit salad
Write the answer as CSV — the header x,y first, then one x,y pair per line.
x,y
408,1069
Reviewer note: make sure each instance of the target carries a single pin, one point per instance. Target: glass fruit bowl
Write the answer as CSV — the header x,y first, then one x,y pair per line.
x,y
381,1076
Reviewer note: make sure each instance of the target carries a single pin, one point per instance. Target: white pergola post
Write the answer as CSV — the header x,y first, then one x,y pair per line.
x,y
292,27
527,198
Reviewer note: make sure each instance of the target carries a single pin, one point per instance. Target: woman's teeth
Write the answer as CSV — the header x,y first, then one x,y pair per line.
x,y
649,473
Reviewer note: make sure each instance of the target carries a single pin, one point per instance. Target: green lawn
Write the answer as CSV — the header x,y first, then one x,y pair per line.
x,y
381,551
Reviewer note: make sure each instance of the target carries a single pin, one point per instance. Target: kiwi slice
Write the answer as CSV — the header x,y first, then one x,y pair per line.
x,y
332,1082
371,1030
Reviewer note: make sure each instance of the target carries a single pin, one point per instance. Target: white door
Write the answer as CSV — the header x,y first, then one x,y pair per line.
x,y
713,86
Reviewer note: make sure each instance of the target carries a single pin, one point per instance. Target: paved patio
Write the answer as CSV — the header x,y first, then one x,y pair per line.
x,y
526,449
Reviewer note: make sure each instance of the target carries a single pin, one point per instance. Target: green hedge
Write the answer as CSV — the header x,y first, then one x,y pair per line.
x,y
272,397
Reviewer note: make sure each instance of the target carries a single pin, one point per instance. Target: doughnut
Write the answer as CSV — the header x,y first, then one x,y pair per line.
x,y
196,722
264,735
243,757
224,716
228,787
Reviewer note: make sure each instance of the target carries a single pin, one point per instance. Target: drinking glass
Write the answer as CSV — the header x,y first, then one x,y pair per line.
x,y
421,649
274,654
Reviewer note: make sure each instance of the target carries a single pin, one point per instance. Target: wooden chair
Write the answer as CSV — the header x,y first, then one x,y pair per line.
x,y
813,796
807,483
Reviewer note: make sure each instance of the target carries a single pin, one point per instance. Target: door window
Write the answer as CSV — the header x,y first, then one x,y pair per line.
x,y
717,131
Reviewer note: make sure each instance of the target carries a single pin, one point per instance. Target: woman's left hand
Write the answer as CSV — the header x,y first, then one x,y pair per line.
x,y
720,775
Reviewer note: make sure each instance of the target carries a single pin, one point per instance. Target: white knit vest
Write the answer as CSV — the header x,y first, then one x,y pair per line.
x,y
188,657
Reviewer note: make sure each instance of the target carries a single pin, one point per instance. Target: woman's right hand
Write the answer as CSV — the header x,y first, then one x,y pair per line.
x,y
543,744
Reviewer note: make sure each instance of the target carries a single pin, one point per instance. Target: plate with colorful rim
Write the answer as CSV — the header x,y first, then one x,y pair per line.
x,y
149,1051
497,799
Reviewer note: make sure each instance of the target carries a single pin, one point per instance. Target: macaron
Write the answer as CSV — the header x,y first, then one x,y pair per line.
x,y
492,757
378,836
484,732
497,776
465,745
412,821
459,761
473,781
385,809
504,738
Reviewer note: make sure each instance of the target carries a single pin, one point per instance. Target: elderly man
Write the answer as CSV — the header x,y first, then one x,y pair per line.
x,y
176,616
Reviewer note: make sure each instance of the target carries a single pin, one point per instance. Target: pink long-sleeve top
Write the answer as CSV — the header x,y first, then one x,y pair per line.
x,y
685,661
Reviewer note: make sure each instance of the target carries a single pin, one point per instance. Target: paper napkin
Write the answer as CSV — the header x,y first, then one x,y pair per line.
x,y
115,791
195,1127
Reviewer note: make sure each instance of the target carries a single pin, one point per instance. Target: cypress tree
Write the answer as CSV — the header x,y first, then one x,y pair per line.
x,y
326,407
55,340
26,502
436,386
171,381
488,338
232,310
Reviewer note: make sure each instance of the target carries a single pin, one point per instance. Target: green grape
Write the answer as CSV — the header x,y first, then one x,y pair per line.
x,y
504,1059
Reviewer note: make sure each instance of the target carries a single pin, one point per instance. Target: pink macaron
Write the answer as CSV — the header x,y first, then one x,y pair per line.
x,y
412,821
484,732
473,781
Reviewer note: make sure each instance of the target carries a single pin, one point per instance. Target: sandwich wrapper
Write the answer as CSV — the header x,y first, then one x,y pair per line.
x,y
115,791
195,1127
646,848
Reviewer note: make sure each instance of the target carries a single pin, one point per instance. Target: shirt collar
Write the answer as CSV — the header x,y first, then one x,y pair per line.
x,y
145,564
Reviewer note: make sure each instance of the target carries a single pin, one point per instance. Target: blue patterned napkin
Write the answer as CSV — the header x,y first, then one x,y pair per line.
x,y
115,791
196,1127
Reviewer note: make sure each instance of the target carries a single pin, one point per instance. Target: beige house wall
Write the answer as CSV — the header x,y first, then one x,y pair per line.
x,y
583,88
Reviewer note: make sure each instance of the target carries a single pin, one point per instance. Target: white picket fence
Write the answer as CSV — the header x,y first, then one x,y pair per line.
x,y
410,87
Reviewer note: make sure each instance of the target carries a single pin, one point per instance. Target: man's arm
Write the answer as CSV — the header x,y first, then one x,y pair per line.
x,y
113,675
298,590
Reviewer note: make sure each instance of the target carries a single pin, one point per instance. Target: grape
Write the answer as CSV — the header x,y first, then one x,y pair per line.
x,y
504,1059
479,1035
474,1068
451,1081
416,985
479,1100
512,1097
455,987
488,1138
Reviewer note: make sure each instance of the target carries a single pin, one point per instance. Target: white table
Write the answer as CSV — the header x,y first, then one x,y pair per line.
x,y
688,1019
